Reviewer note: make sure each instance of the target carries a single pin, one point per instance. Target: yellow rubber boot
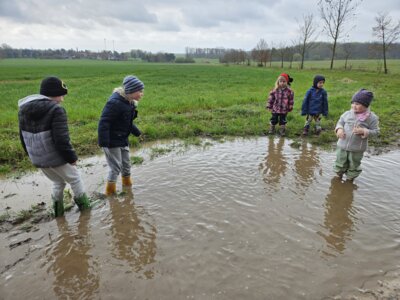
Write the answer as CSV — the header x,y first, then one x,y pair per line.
x,y
111,188
126,181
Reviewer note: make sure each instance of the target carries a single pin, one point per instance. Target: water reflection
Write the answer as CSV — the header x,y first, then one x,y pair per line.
x,y
134,239
75,277
339,214
274,165
306,163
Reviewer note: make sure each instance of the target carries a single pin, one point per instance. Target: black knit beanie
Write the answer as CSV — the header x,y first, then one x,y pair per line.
x,y
53,87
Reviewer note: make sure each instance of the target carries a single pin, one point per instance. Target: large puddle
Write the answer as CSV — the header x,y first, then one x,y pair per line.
x,y
243,219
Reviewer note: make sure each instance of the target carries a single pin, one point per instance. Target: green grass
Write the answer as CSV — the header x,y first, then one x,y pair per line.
x,y
188,100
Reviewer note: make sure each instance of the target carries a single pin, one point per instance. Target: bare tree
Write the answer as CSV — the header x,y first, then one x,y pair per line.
x,y
347,50
387,32
334,14
290,51
307,31
282,52
261,53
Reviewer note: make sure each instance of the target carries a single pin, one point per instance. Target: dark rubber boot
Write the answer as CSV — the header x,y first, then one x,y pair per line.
x,y
83,202
58,207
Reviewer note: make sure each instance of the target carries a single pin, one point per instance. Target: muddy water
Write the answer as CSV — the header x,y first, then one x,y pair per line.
x,y
243,219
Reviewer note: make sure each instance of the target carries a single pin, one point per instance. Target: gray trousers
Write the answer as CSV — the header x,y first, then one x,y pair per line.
x,y
62,175
118,162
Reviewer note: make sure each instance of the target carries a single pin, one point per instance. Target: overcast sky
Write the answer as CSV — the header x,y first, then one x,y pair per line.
x,y
169,25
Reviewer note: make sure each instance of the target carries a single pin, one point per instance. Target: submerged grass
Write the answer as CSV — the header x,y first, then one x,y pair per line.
x,y
186,101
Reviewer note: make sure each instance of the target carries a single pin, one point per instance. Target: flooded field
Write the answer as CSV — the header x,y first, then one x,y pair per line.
x,y
243,219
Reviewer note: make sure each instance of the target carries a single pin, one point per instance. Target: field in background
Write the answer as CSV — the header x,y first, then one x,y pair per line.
x,y
188,100
372,65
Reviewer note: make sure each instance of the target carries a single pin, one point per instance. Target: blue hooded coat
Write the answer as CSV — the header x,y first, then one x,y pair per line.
x,y
316,100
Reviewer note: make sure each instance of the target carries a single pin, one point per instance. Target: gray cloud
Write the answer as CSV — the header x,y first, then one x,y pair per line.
x,y
169,25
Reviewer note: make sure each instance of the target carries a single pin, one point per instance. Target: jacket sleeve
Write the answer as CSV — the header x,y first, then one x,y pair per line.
x,y
60,135
306,103
108,116
22,141
291,100
325,107
270,100
135,131
341,122
374,126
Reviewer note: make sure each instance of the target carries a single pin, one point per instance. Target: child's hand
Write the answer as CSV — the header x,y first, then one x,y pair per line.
x,y
358,130
340,133
361,131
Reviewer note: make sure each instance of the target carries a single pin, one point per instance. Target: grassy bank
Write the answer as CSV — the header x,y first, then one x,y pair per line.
x,y
183,101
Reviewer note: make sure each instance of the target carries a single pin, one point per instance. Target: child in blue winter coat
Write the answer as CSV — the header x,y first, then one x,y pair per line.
x,y
315,104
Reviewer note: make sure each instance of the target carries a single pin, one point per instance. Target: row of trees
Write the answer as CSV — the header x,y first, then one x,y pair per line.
x,y
262,53
335,14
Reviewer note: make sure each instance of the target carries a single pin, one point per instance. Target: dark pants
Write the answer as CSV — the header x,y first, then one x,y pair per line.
x,y
281,118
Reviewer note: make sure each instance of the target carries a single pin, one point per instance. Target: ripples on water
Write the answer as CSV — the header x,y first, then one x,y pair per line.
x,y
244,219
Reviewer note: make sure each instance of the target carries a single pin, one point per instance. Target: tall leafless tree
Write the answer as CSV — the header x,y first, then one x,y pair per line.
x,y
347,50
335,13
387,32
261,53
282,52
307,30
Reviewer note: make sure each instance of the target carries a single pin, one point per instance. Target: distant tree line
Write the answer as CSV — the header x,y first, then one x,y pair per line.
x,y
150,57
7,51
261,53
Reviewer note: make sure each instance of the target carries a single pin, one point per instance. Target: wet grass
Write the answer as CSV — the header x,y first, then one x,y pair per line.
x,y
137,160
188,101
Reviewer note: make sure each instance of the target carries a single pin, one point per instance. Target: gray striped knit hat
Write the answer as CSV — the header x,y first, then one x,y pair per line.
x,y
132,84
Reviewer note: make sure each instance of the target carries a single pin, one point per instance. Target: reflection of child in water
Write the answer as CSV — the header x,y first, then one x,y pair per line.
x,y
339,215
353,130
134,240
74,278
274,163
306,163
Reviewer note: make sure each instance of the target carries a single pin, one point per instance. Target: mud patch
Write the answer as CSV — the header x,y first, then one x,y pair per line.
x,y
347,80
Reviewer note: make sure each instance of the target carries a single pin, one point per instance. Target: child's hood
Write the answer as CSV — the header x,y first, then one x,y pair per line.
x,y
317,79
30,98
35,106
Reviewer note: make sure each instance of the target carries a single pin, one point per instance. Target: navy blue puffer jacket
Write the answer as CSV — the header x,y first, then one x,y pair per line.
x,y
116,122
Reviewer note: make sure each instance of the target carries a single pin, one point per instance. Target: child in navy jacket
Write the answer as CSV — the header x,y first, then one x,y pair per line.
x,y
315,104
115,126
